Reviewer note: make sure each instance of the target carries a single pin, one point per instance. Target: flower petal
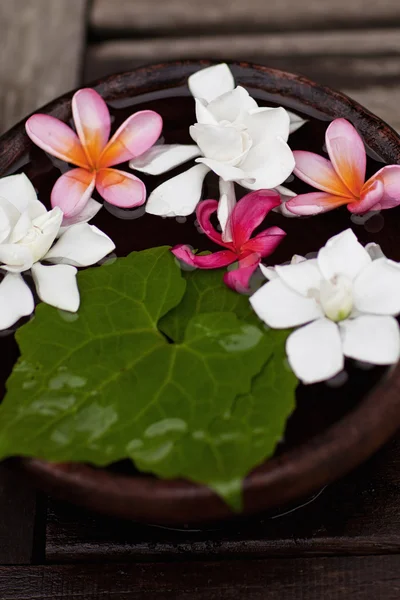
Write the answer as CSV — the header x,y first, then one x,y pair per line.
x,y
120,188
56,285
15,258
178,196
56,138
211,82
343,255
372,339
269,123
250,212
81,245
318,172
162,158
203,213
223,144
223,170
269,164
370,198
43,233
135,136
9,217
226,204
92,122
315,351
314,203
72,191
239,279
18,190
89,211
295,121
285,195
390,177
16,300
347,153
280,307
376,289
203,115
265,242
208,261
301,276
232,105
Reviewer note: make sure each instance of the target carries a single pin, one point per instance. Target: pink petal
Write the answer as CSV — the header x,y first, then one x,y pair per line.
x,y
390,176
203,213
72,191
56,138
347,153
136,135
318,172
209,261
314,203
250,212
238,279
120,188
265,242
370,198
92,122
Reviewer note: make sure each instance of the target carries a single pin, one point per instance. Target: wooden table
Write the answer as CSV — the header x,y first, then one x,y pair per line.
x,y
345,544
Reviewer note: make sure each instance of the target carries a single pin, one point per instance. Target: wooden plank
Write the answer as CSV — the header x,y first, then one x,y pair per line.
x,y
358,578
150,16
358,515
40,44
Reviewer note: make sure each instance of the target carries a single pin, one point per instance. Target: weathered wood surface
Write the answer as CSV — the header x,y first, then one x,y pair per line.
x,y
358,515
153,16
41,45
358,578
364,64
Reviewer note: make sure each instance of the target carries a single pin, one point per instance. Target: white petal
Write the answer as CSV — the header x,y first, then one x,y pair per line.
x,y
18,190
9,216
372,339
56,285
227,172
315,351
16,300
162,158
376,289
21,228
269,164
374,250
203,115
224,144
43,233
15,258
232,105
179,196
343,255
269,272
36,209
211,82
227,203
90,210
295,121
266,124
285,195
81,245
280,307
302,277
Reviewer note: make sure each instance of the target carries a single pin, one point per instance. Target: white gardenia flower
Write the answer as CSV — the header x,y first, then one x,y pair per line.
x,y
234,138
344,300
27,234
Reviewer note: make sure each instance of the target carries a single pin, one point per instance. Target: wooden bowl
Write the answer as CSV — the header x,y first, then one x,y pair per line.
x,y
332,451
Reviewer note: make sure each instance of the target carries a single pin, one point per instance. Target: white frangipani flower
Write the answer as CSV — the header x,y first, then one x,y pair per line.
x,y
234,138
27,234
345,300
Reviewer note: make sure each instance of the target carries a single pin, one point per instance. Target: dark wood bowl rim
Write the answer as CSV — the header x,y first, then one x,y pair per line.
x,y
282,479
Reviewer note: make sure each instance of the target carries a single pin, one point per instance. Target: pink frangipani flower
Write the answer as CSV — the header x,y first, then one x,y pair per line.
x,y
93,153
238,227
342,178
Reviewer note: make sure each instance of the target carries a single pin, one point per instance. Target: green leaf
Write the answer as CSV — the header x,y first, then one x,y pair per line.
x,y
106,384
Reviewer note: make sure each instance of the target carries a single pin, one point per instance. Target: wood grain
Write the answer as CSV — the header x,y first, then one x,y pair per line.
x,y
41,43
358,578
357,515
150,16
